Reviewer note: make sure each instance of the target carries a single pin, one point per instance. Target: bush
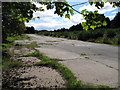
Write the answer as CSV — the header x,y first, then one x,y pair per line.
x,y
101,35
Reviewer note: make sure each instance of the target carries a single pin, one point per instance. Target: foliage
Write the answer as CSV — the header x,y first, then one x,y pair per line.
x,y
100,35
15,14
15,64
60,8
109,34
93,20
115,23
32,45
7,60
6,54
30,30
77,27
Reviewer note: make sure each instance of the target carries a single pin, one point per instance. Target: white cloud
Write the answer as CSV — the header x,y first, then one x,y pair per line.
x,y
107,7
114,12
50,21
48,26
46,13
77,18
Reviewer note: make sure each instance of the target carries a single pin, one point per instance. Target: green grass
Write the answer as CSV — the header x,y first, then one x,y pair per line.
x,y
97,54
50,62
71,82
52,41
7,62
26,37
87,57
102,35
31,45
15,64
83,54
45,44
12,39
41,56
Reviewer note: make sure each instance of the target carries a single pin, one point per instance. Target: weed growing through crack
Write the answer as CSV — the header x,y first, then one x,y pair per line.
x,y
83,54
9,64
52,41
87,57
97,54
15,64
31,45
73,44
71,82
45,44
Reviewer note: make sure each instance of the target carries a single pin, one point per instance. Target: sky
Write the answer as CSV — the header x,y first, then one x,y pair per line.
x,y
50,21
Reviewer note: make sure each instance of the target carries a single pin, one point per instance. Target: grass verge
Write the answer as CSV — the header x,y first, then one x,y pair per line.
x,y
31,45
7,62
71,82
6,55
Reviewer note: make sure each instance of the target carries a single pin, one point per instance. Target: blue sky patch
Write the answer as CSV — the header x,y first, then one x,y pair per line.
x,y
50,21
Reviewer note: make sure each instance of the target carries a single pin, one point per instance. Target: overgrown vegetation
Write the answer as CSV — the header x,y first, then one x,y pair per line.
x,y
7,61
102,35
108,34
71,82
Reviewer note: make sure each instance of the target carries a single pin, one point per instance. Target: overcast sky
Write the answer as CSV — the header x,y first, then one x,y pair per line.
x,y
50,21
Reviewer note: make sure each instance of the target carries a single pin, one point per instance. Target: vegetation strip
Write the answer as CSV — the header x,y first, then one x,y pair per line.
x,y
101,35
71,81
7,61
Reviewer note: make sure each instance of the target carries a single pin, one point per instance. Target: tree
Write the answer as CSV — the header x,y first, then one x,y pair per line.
x,y
30,30
77,27
14,14
20,12
108,23
115,23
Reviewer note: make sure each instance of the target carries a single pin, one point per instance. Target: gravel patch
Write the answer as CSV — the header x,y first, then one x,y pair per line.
x,y
23,41
28,60
23,51
34,77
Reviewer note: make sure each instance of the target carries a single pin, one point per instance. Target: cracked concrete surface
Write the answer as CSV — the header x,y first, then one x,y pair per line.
x,y
30,76
90,72
99,66
57,53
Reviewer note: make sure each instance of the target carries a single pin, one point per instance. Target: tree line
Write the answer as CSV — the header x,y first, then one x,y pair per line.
x,y
15,14
109,34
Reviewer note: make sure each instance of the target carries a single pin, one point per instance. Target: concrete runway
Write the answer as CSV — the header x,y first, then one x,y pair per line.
x,y
92,63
